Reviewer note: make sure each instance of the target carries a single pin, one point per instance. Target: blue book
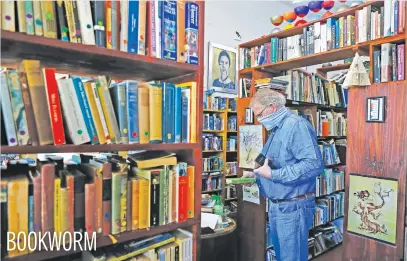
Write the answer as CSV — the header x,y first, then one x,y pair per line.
x,y
132,34
84,104
119,100
132,111
184,116
169,30
396,17
191,32
337,34
376,66
30,209
178,114
168,112
29,17
99,21
273,51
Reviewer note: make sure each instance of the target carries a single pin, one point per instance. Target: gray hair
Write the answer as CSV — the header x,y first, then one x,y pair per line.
x,y
267,97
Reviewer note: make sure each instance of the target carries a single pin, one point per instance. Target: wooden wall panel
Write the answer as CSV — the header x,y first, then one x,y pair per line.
x,y
380,150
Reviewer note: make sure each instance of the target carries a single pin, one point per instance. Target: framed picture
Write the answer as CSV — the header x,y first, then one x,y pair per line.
x,y
250,145
375,109
372,210
222,66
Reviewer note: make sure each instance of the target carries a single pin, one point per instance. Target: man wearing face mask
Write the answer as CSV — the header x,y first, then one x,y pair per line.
x,y
288,176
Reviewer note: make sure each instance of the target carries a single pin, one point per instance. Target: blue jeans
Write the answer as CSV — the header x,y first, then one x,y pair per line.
x,y
289,225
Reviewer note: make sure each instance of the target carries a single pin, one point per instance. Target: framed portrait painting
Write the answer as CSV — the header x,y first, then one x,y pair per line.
x,y
222,69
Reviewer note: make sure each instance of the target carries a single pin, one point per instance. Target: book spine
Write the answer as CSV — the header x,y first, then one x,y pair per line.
x,y
158,29
100,112
64,213
144,204
387,18
394,62
182,192
107,198
77,22
385,62
37,18
177,114
402,16
70,20
79,203
86,23
129,207
57,206
169,30
54,106
22,28
8,15
84,105
155,198
29,17
184,118
192,33
151,34
162,197
18,109
49,23
119,101
47,197
95,113
37,195
108,24
181,31
144,114
191,191
99,21
123,202
133,112
63,29
7,112
116,191
133,21
135,204
142,27
70,185
155,98
125,24
401,61
90,209
169,113
115,21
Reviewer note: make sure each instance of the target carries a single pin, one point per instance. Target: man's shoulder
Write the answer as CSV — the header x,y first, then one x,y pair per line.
x,y
294,119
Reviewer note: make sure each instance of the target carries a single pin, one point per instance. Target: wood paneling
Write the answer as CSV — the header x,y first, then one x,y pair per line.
x,y
387,142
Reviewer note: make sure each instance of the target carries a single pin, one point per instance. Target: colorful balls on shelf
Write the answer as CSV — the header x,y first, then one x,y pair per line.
x,y
300,22
288,26
342,8
290,16
327,5
277,20
315,6
301,10
328,13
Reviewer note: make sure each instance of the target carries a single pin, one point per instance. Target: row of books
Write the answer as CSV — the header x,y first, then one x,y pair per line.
x,y
213,163
389,63
367,24
331,123
212,121
230,192
104,194
173,246
271,83
325,238
162,29
213,181
329,153
330,181
232,104
329,208
231,143
42,107
214,102
211,142
231,168
313,88
232,123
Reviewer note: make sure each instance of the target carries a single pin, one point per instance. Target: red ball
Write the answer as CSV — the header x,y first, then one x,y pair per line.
x,y
327,5
300,22
290,16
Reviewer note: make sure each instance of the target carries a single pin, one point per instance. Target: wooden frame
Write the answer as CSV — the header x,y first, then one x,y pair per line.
x,y
91,61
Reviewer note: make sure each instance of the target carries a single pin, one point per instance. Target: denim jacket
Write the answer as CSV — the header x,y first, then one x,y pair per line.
x,y
294,158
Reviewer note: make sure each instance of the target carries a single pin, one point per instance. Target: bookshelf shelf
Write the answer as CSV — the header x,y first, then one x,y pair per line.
x,y
331,137
209,171
319,106
96,148
324,224
70,57
214,111
322,196
106,241
211,191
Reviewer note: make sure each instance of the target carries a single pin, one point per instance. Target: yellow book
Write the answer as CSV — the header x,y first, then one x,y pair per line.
x,y
123,202
49,22
109,24
17,210
63,206
22,26
100,86
191,191
135,204
71,20
155,97
8,15
180,244
181,31
57,201
95,113
142,27
192,114
144,113
144,203
37,18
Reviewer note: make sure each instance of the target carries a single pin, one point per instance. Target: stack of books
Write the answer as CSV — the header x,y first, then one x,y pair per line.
x,y
271,83
389,63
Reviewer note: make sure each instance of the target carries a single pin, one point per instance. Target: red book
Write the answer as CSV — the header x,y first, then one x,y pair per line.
x,y
401,58
54,106
36,181
402,16
47,170
182,196
90,208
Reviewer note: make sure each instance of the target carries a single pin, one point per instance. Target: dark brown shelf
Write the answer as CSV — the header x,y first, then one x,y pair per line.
x,y
82,59
323,196
106,241
334,165
67,148
331,137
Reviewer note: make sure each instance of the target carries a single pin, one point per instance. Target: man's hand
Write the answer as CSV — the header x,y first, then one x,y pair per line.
x,y
265,170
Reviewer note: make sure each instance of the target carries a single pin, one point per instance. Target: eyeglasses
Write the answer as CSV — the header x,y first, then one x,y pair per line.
x,y
261,113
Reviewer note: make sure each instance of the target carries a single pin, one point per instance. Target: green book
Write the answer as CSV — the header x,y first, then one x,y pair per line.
x,y
240,181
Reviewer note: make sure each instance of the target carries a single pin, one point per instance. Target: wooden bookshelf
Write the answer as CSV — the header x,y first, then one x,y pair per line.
x,y
325,69
79,59
365,140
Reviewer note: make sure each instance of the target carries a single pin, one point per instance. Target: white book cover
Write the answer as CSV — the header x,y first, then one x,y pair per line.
x,y
317,37
328,33
37,17
324,40
157,25
7,112
8,17
72,112
364,25
387,18
392,22
124,24
186,92
86,23
385,62
100,111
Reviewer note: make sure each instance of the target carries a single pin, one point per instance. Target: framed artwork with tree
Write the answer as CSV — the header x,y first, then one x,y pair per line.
x,y
250,145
